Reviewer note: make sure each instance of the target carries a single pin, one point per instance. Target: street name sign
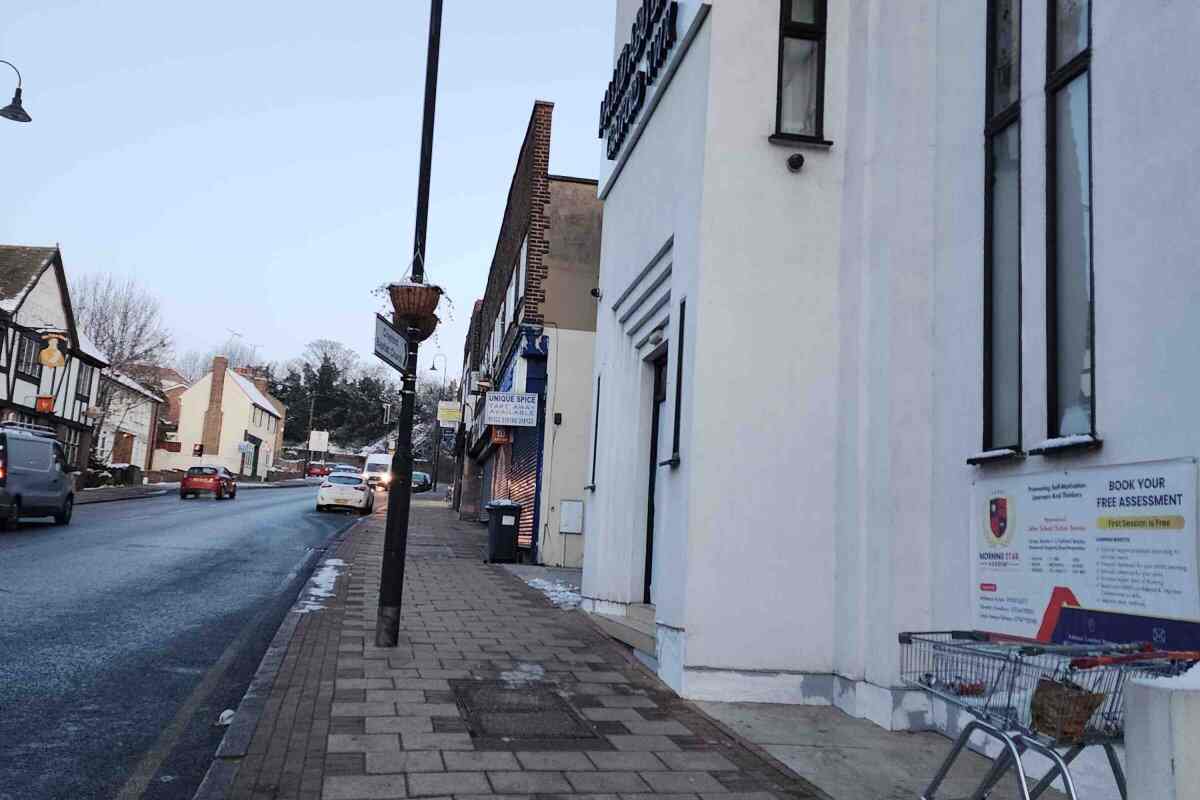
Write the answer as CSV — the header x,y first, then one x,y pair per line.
x,y
518,409
390,346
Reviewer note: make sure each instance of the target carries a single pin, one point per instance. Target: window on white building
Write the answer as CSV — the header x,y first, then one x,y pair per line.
x,y
27,353
83,382
1002,230
1070,333
800,112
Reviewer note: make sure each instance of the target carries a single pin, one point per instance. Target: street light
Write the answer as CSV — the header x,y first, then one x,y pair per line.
x,y
437,439
14,110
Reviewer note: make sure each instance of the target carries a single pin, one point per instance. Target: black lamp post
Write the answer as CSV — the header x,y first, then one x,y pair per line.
x,y
14,110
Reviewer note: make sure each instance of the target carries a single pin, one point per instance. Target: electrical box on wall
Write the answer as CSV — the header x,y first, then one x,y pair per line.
x,y
570,516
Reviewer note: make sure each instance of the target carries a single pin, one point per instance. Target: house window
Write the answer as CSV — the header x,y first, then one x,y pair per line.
x,y
27,363
83,382
5,348
1070,326
1002,230
71,446
800,112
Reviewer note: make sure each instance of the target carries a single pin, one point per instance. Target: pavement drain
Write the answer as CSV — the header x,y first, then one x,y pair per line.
x,y
502,716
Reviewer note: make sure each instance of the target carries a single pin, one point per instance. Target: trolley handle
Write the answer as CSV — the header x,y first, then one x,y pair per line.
x,y
906,637
1151,655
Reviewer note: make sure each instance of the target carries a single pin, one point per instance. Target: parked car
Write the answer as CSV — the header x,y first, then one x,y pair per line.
x,y
378,470
35,480
316,471
421,482
217,481
342,490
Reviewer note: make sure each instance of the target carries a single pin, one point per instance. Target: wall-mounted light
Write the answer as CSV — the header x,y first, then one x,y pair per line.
x,y
596,293
795,162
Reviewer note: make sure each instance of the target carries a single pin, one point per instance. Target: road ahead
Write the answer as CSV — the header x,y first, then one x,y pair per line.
x,y
124,635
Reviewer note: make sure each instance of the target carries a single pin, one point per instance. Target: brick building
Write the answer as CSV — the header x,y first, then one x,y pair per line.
x,y
531,336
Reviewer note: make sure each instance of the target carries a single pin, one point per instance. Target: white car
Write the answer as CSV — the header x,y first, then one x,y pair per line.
x,y
345,469
345,491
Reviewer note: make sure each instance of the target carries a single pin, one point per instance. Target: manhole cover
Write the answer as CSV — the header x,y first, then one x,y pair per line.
x,y
525,712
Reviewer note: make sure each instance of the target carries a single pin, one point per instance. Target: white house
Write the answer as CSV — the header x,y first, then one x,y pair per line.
x,y
848,248
128,429
225,419
49,370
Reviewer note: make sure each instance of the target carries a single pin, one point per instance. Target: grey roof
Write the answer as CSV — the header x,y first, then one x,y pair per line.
x,y
19,269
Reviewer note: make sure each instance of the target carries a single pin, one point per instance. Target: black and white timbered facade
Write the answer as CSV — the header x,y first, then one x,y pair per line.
x,y
36,314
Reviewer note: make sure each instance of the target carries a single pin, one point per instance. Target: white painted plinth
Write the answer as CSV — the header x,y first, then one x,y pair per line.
x,y
1162,737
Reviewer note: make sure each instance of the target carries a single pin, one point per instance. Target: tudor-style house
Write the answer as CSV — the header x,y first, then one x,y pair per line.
x,y
49,370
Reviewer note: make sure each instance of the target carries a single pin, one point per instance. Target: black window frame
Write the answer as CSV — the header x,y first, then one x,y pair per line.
x,y
83,389
33,377
675,460
6,348
813,32
1057,79
998,121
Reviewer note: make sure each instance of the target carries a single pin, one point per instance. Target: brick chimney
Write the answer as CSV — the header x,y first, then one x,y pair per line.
x,y
213,415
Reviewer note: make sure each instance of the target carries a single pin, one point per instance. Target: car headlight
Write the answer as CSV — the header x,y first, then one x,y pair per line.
x,y
386,477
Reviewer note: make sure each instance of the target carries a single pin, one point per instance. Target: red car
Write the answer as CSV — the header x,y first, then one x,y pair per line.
x,y
317,470
216,481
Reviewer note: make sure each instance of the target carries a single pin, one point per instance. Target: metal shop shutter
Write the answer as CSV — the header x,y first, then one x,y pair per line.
x,y
485,488
523,480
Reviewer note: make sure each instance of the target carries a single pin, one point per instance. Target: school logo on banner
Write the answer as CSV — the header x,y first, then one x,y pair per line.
x,y
999,527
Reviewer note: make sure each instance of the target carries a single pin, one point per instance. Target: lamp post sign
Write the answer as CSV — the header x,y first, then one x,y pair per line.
x,y
390,346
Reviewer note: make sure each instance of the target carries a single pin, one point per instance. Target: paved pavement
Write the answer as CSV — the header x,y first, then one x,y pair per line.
x,y
492,692
125,634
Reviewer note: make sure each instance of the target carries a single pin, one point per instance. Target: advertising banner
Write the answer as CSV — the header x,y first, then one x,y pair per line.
x,y
517,409
449,413
1121,538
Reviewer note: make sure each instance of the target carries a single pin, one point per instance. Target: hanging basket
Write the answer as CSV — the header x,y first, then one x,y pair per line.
x,y
417,327
418,300
1061,709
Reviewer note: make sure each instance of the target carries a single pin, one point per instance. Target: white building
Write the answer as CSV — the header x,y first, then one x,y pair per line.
x,y
225,419
36,316
795,360
129,426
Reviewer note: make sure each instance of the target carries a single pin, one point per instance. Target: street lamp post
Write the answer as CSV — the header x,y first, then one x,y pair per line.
x,y
395,542
437,423
14,110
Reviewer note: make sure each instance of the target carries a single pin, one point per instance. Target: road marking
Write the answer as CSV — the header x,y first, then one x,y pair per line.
x,y
140,780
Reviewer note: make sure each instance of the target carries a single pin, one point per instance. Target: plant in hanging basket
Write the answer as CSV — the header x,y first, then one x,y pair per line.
x,y
410,299
417,328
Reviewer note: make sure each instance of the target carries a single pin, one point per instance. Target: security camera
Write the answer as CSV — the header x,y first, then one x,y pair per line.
x,y
795,162
596,293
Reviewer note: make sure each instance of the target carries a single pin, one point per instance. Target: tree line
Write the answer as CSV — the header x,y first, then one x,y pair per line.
x,y
325,387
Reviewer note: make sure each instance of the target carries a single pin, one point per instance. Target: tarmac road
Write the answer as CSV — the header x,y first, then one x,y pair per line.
x,y
124,635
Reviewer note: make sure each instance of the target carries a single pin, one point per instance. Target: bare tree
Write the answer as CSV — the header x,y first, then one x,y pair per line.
x,y
337,353
195,364
122,318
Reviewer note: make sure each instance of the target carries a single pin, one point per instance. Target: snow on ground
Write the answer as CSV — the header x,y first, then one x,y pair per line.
x,y
562,595
320,586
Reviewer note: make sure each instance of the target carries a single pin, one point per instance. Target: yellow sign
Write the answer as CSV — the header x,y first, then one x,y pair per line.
x,y
449,413
51,356
1172,522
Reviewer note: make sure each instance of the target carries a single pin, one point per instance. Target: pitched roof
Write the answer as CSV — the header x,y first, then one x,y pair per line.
x,y
129,383
256,397
20,267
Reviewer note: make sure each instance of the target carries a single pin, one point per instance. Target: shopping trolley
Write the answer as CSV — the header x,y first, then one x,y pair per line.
x,y
1054,700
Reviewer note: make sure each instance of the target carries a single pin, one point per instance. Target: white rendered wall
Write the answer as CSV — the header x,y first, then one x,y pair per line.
x,y
566,448
760,549
656,197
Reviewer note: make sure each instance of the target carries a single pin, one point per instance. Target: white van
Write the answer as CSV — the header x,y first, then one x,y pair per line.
x,y
378,470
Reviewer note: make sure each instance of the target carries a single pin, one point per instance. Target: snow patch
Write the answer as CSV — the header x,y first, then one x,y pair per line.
x,y
988,455
523,675
1066,441
320,586
1186,681
562,595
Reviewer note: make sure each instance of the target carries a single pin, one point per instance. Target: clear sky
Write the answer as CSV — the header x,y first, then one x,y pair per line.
x,y
254,164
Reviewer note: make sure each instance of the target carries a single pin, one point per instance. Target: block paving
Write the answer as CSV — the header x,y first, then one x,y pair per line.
x,y
492,693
